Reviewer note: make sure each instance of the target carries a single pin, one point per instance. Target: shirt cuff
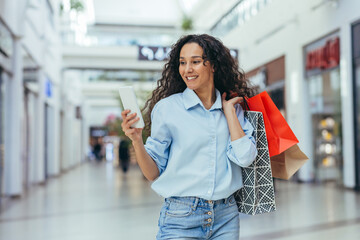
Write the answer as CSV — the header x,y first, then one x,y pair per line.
x,y
242,151
155,159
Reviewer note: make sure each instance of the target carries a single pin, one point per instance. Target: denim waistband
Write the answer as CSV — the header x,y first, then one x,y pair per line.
x,y
196,201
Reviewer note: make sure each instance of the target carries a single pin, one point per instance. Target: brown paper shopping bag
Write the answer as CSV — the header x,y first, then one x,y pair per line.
x,y
285,164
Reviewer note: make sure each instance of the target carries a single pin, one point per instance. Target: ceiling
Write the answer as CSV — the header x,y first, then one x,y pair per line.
x,y
141,12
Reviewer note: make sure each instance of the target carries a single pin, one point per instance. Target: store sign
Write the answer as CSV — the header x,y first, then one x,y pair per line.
x,y
48,88
150,53
324,57
147,53
98,131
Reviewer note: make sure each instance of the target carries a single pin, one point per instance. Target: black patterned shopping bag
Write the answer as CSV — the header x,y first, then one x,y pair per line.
x,y
257,195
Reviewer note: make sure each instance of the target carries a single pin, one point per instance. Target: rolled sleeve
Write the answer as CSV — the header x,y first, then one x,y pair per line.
x,y
242,151
158,144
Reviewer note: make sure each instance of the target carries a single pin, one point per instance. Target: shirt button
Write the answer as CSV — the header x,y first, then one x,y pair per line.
x,y
209,213
210,201
209,220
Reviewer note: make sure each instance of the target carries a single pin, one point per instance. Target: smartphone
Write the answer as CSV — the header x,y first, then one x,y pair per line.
x,y
128,99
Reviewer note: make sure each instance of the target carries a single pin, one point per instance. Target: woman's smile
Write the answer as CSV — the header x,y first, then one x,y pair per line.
x,y
191,78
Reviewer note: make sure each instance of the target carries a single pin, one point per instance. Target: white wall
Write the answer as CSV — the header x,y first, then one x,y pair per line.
x,y
12,13
298,23
13,135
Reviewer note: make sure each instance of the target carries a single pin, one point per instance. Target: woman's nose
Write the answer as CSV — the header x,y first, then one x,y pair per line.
x,y
188,68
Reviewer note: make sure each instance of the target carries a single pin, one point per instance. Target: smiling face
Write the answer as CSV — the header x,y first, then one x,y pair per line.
x,y
196,75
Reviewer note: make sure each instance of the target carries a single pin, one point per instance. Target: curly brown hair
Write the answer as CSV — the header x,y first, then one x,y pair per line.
x,y
228,77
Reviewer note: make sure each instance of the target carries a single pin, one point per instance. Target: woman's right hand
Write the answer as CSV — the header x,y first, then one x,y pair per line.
x,y
135,134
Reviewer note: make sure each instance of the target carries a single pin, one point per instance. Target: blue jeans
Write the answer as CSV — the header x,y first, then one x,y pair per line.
x,y
197,218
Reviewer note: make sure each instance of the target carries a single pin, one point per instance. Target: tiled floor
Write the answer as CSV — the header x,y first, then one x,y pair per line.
x,y
97,201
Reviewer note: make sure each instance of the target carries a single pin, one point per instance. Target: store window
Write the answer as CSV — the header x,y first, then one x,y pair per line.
x,y
356,75
325,108
270,77
357,122
277,95
1,130
6,52
357,89
323,76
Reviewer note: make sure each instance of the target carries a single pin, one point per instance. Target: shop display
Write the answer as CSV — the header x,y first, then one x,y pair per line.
x,y
356,86
327,148
324,84
2,148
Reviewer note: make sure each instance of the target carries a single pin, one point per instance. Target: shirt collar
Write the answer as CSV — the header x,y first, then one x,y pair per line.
x,y
191,99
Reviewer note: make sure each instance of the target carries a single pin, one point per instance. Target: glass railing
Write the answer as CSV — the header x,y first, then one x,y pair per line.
x,y
115,39
127,76
240,14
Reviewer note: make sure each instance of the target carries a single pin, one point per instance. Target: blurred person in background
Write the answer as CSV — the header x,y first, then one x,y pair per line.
x,y
97,150
124,155
199,140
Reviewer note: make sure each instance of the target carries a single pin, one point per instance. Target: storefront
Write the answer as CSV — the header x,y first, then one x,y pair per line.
x,y
1,130
322,73
49,140
29,120
270,77
356,87
6,52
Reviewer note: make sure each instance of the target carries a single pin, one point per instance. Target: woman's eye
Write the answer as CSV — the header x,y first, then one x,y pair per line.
x,y
196,62
182,63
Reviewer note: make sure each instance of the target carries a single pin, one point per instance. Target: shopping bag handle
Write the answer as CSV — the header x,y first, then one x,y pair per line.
x,y
244,104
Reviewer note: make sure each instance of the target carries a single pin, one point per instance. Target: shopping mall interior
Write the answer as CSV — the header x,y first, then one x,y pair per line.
x,y
67,170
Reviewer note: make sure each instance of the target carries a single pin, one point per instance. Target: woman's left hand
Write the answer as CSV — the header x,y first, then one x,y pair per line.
x,y
228,105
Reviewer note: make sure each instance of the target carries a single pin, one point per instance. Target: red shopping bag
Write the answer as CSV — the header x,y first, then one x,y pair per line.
x,y
278,133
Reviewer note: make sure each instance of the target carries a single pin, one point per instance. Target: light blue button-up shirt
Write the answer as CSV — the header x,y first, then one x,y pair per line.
x,y
193,150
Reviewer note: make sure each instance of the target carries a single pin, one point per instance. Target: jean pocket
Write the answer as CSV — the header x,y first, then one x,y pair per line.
x,y
178,210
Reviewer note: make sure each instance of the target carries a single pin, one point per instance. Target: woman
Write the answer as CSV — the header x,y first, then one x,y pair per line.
x,y
199,140
124,155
